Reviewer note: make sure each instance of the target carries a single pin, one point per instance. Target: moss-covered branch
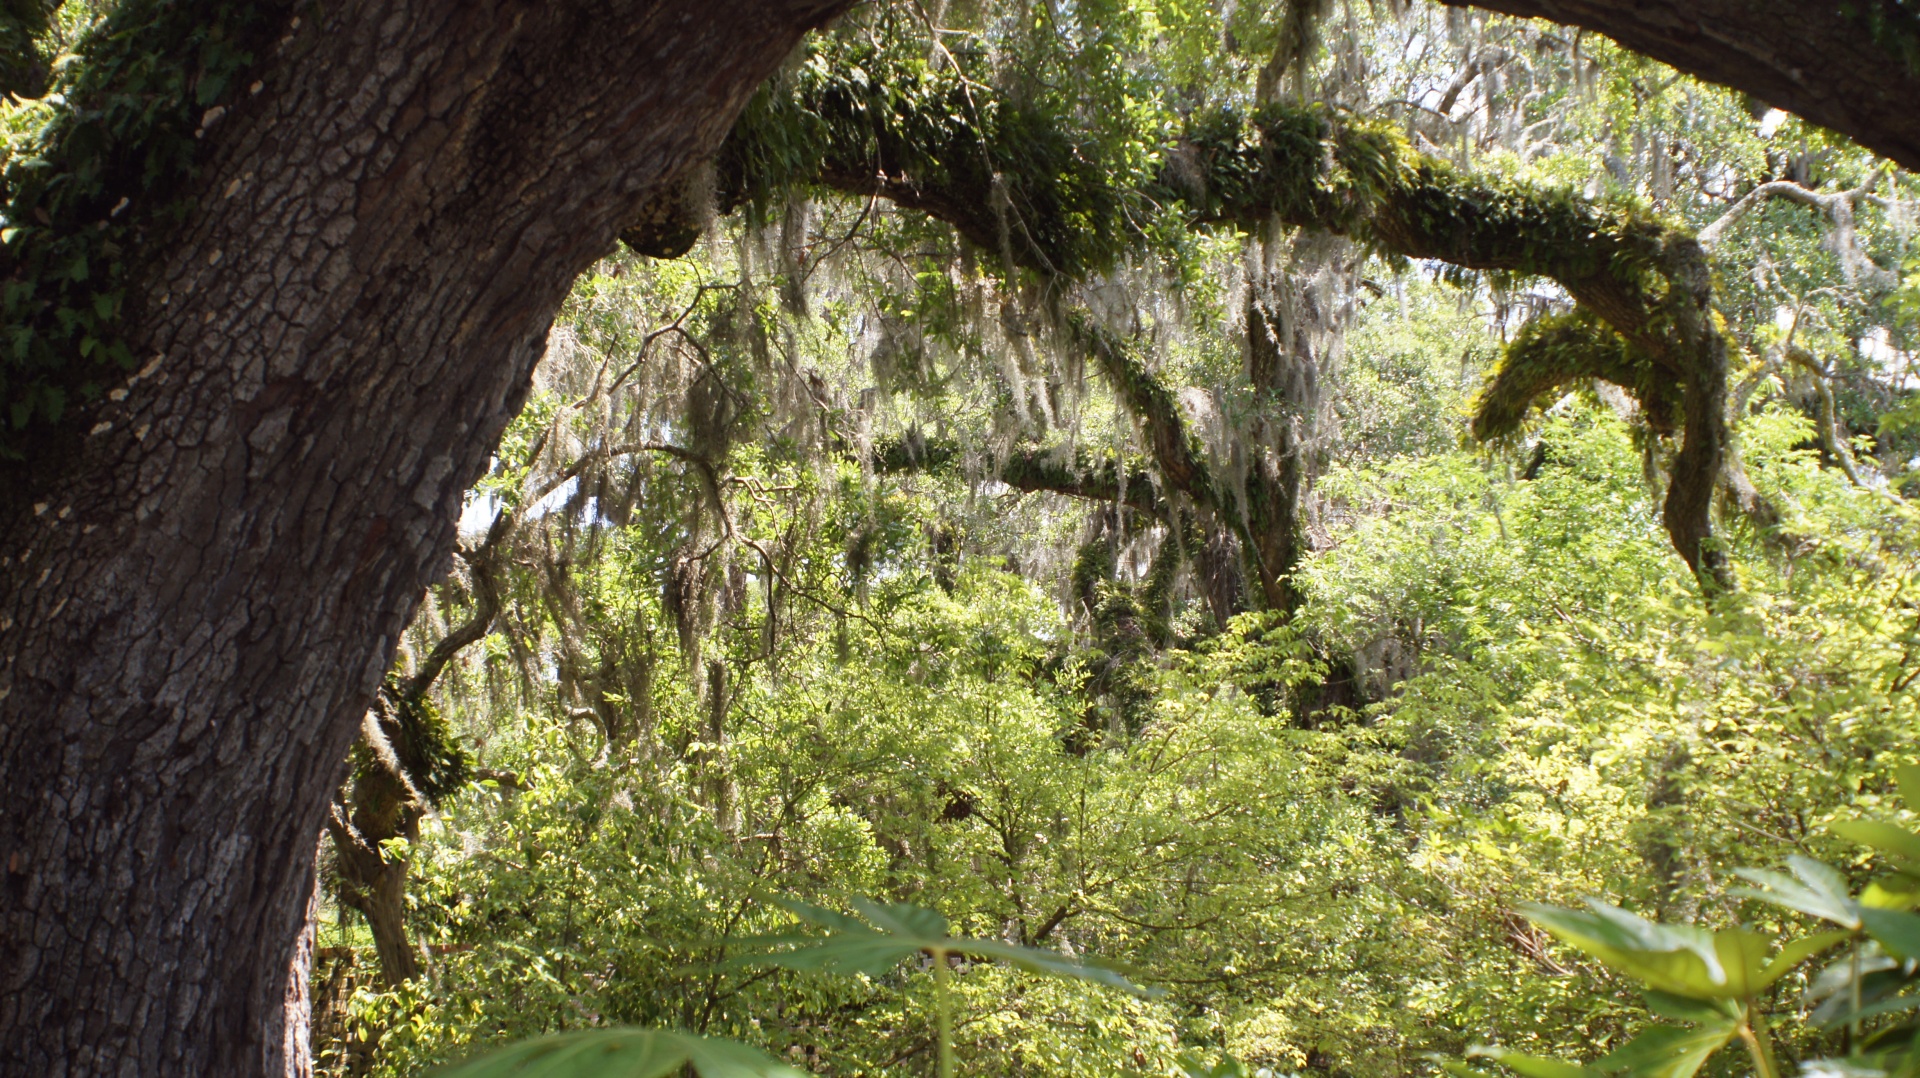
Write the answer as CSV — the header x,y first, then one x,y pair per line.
x,y
1553,351
1076,473
1014,181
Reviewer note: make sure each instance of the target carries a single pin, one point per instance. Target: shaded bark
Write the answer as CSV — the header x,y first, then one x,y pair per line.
x,y
1853,67
200,607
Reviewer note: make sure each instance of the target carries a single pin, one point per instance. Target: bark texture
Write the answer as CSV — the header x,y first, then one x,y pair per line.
x,y
198,612
1852,66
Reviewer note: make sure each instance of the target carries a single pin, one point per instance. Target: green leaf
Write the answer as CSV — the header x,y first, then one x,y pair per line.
x,y
1819,891
1682,1009
622,1053
1669,1051
1882,836
1897,930
1680,959
903,919
1533,1066
1908,777
1798,951
1883,897
1051,964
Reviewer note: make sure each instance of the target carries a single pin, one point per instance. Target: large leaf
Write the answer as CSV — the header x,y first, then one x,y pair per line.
x,y
1669,1051
894,932
1815,889
1799,951
1908,776
1533,1066
1680,959
1897,930
1903,845
622,1053
1682,1009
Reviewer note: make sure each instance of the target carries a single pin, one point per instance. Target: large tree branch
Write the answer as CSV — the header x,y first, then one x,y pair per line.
x,y
1019,187
1839,206
1075,473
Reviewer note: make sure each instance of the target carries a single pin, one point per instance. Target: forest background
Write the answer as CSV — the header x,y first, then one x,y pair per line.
x,y
948,498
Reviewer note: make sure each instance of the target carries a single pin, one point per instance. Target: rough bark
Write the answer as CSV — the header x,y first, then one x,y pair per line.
x,y
200,609
1853,67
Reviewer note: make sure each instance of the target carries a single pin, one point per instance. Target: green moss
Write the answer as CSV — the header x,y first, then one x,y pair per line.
x,y
424,743
1552,352
1010,176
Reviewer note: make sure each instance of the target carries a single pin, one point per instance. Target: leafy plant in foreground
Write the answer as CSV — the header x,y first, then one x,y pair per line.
x,y
891,934
895,932
1710,985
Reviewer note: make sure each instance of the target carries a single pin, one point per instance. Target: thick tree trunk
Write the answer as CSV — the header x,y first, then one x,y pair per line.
x,y
197,614
1853,66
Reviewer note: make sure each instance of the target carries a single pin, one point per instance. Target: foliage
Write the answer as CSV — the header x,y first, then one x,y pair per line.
x,y
1717,981
624,1053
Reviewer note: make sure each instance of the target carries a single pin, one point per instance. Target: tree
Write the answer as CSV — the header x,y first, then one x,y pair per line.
x,y
328,241
272,290
1854,67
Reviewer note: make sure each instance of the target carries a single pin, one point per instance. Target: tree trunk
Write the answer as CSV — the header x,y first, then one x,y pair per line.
x,y
1853,67
197,612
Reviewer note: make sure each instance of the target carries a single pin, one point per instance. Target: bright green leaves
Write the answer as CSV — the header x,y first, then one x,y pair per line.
x,y
1529,1066
1715,980
1659,1052
623,1053
1815,889
894,932
1669,1051
1711,980
890,934
1678,959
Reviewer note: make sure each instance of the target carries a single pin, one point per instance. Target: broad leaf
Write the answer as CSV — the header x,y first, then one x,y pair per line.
x,y
1669,1051
622,1053
1888,838
1897,930
1908,777
1682,1009
903,919
1819,891
1798,951
1533,1066
1680,959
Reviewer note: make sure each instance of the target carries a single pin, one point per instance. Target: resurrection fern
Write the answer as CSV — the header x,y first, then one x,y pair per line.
x,y
1549,352
105,177
1010,175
